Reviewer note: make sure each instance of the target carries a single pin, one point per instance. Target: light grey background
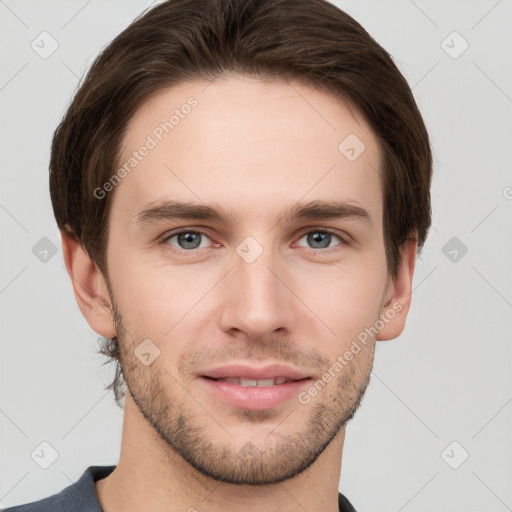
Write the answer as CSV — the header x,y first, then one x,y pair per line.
x,y
447,378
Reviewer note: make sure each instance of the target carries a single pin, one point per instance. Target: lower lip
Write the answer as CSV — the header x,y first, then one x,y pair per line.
x,y
255,397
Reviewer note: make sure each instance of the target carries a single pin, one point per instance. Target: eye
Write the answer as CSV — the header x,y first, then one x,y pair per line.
x,y
187,239
321,239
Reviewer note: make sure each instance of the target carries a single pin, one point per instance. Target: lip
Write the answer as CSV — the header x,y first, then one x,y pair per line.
x,y
254,397
248,372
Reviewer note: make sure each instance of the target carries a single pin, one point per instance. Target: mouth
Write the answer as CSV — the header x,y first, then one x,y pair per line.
x,y
252,388
248,383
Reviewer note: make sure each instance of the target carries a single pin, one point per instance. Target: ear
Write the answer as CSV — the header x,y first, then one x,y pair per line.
x,y
90,289
398,294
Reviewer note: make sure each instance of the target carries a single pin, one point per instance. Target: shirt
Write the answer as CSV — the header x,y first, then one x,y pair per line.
x,y
81,496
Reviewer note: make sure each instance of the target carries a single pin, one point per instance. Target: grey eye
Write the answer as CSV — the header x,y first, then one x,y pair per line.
x,y
188,240
320,239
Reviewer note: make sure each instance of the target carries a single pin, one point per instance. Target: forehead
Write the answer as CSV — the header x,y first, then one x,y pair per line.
x,y
247,144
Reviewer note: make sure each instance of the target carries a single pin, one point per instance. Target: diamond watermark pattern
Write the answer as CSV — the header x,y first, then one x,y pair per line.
x,y
454,45
44,455
147,352
454,455
44,45
249,249
454,249
44,250
351,147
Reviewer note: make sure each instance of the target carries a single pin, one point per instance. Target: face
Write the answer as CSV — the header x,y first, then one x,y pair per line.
x,y
245,256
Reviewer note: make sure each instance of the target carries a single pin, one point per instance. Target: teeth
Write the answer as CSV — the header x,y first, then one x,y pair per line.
x,y
248,382
264,382
253,382
233,380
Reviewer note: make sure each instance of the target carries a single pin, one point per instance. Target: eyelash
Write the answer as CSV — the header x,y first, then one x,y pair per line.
x,y
168,237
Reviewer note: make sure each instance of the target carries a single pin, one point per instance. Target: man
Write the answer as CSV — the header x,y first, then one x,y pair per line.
x,y
242,188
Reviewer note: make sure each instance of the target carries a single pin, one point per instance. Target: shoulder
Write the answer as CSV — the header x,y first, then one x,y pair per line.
x,y
344,505
77,497
44,505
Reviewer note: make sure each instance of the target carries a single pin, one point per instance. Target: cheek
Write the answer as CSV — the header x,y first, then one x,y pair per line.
x,y
173,304
346,299
140,294
163,303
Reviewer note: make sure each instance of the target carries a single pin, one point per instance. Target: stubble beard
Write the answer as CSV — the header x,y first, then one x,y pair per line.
x,y
185,427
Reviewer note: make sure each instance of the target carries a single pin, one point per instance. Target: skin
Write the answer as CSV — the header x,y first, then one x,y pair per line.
x,y
256,148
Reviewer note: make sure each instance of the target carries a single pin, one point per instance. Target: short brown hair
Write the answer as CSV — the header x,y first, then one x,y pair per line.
x,y
309,41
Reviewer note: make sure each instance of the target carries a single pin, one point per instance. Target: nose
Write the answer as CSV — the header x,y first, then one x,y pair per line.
x,y
258,300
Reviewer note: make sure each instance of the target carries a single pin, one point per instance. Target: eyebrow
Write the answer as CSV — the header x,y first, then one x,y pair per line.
x,y
313,210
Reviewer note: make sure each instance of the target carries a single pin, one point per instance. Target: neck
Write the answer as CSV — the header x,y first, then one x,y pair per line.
x,y
151,476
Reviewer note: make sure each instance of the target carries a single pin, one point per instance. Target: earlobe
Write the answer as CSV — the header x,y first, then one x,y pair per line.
x,y
89,287
394,313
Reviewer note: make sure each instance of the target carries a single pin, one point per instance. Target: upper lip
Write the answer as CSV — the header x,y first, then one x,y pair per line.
x,y
247,372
